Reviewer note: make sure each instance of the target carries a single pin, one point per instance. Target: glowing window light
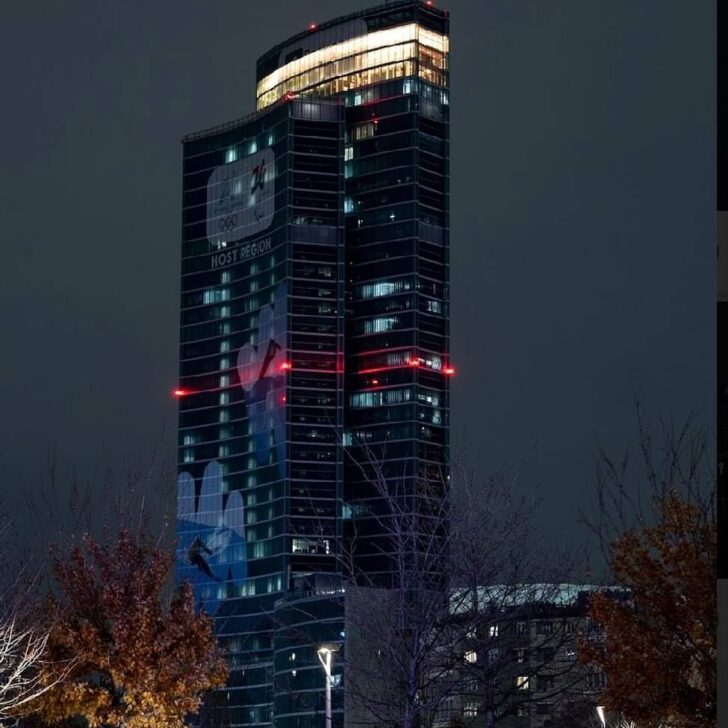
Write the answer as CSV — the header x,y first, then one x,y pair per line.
x,y
362,44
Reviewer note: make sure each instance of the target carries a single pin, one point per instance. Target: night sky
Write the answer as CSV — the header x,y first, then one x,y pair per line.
x,y
583,225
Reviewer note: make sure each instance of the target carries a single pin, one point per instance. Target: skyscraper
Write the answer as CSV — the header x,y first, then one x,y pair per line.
x,y
314,336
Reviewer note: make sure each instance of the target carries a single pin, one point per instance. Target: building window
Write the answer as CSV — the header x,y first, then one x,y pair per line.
x,y
470,710
364,131
521,628
188,456
231,154
493,655
522,682
224,398
493,630
470,656
545,682
348,154
225,380
380,325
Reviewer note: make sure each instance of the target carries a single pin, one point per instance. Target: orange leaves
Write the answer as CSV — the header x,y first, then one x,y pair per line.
x,y
143,659
659,654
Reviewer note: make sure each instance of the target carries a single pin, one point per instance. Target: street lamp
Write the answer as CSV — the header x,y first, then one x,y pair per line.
x,y
600,713
325,654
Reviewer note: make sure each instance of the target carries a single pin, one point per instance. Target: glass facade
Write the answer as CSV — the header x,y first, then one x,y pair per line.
x,y
314,337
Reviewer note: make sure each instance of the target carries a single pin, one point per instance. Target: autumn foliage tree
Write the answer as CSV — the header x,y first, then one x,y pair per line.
x,y
658,651
141,656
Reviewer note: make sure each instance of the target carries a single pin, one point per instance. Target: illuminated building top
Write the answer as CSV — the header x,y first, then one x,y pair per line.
x,y
334,59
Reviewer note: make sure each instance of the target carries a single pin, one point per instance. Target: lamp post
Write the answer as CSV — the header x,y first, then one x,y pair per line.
x,y
325,655
600,713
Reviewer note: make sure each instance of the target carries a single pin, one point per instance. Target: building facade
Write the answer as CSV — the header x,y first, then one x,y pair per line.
x,y
314,342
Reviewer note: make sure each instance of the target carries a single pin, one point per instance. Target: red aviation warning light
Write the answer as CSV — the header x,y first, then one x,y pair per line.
x,y
179,392
312,26
449,370
414,362
286,366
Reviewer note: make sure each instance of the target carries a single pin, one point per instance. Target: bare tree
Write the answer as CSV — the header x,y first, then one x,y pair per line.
x,y
23,642
516,607
22,653
656,524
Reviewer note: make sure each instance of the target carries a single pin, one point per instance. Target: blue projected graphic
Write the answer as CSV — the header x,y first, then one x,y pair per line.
x,y
262,369
211,538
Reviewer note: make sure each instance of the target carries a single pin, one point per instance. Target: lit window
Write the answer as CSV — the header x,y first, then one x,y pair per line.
x,y
225,345
348,154
407,86
253,147
224,416
348,204
224,380
224,362
470,656
231,154
225,276
223,451
364,131
188,456
379,325
522,682
382,288
470,710
224,311
224,398
493,630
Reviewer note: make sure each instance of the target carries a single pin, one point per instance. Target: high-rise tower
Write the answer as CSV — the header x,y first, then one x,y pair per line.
x,y
314,336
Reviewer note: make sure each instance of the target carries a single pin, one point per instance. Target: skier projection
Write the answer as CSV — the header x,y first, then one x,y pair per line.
x,y
211,537
262,369
211,551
